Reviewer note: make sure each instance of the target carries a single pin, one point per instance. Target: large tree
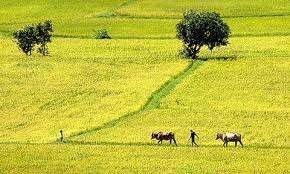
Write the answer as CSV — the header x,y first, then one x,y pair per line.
x,y
198,29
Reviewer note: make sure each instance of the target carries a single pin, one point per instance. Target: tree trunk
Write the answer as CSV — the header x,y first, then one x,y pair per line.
x,y
195,51
43,50
193,56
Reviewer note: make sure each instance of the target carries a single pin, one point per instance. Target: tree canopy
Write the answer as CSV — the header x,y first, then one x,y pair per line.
x,y
31,35
198,29
25,39
43,36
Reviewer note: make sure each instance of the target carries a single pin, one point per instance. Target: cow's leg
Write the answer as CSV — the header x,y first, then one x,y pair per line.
x,y
174,141
160,142
236,143
170,141
225,141
241,143
226,144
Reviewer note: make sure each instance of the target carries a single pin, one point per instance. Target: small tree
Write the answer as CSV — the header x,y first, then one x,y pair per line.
x,y
30,35
201,29
43,36
102,34
25,39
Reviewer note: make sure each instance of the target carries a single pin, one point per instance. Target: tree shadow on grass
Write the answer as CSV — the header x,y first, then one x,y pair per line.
x,y
218,58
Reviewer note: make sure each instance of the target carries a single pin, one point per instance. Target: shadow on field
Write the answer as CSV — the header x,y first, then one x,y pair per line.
x,y
219,58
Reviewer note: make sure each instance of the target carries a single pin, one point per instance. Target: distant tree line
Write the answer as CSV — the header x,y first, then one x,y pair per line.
x,y
32,35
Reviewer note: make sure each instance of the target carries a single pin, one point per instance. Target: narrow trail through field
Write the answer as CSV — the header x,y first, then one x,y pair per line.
x,y
152,103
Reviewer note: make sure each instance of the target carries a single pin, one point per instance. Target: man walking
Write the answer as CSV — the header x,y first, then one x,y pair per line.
x,y
192,134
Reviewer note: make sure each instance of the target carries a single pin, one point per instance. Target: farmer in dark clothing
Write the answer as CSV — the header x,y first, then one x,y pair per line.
x,y
60,136
192,134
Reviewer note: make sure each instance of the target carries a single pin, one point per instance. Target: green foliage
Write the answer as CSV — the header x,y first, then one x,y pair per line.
x,y
43,32
201,29
31,35
102,34
25,39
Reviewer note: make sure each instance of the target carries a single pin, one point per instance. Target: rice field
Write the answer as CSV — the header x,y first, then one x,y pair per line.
x,y
227,8
79,88
108,96
251,89
67,158
129,28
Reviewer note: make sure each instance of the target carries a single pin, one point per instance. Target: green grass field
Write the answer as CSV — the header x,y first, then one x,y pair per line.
x,y
109,95
227,8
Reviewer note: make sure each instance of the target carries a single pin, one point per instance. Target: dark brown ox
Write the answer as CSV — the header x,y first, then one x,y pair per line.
x,y
163,136
229,137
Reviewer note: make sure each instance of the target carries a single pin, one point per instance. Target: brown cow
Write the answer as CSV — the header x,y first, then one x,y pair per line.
x,y
163,136
229,137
